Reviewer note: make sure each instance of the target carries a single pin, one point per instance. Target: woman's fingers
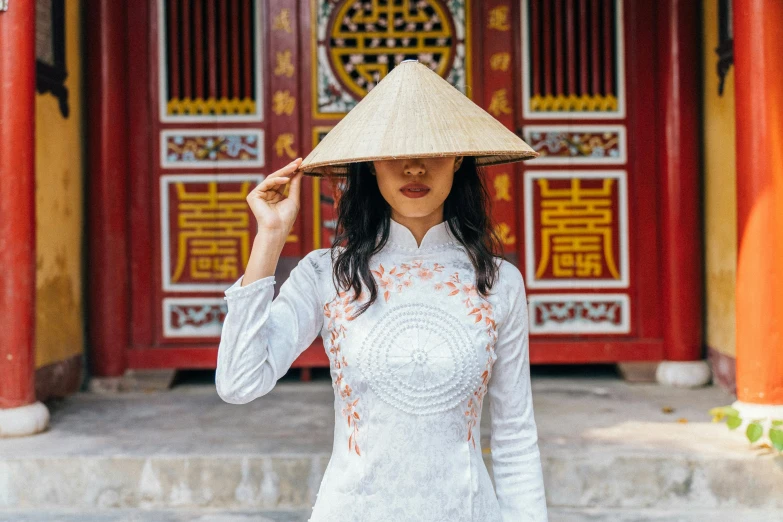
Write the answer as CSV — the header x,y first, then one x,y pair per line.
x,y
284,174
270,184
296,183
288,169
272,188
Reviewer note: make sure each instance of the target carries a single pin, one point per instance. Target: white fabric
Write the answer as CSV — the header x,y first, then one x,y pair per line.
x,y
409,377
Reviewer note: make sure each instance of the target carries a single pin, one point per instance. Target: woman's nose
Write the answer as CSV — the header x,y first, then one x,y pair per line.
x,y
414,167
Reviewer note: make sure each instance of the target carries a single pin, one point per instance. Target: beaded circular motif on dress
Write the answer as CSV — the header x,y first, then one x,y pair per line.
x,y
419,359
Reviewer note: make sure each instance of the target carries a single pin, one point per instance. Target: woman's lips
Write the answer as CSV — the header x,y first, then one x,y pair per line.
x,y
415,190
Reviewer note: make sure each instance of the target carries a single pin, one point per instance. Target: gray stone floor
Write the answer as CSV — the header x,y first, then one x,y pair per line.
x,y
611,451
604,413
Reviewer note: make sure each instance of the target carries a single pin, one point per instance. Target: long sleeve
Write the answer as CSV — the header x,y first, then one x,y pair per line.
x,y
263,336
516,460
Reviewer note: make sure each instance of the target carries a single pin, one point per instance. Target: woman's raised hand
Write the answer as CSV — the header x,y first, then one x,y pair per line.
x,y
272,209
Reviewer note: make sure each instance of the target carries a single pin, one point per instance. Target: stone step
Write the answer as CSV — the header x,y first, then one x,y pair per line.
x,y
658,515
555,515
141,515
274,482
604,444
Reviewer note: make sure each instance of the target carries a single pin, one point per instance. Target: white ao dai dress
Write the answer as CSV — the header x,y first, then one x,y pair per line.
x,y
409,377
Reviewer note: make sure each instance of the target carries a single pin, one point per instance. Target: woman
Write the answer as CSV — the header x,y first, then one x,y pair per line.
x,y
419,317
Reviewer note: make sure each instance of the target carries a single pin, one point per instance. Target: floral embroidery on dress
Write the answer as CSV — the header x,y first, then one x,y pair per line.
x,y
399,277
339,311
482,310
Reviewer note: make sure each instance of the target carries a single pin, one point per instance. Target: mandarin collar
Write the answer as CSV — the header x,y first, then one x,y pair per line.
x,y
438,236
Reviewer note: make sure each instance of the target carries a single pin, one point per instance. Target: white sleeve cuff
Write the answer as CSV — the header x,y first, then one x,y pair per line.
x,y
237,290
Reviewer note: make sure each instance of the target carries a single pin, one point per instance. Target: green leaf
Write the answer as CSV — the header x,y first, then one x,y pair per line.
x,y
724,411
776,423
733,422
776,436
754,432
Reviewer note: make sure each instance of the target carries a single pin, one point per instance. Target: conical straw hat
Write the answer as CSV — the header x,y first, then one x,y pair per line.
x,y
414,113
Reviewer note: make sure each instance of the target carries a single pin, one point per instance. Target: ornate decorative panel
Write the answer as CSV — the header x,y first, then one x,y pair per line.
x,y
577,229
193,316
579,314
573,59
578,144
209,54
356,42
212,149
207,230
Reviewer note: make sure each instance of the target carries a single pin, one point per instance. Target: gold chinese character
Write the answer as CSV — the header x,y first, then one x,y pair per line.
x,y
567,264
283,145
284,66
502,187
283,102
500,61
577,230
283,21
503,230
498,18
212,234
499,103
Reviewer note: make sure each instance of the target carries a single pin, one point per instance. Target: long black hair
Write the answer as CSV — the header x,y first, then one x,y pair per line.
x,y
363,214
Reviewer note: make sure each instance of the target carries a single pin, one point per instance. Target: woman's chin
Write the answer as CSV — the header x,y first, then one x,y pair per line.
x,y
413,210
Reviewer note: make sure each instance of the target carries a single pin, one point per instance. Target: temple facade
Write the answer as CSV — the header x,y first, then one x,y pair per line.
x,y
647,230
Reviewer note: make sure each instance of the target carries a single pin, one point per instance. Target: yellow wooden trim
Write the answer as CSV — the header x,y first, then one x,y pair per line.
x,y
206,107
573,103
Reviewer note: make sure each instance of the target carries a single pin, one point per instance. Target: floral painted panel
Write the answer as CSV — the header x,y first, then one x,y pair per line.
x,y
212,149
578,144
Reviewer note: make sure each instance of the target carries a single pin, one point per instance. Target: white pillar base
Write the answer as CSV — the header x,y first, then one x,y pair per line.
x,y
762,412
683,374
24,420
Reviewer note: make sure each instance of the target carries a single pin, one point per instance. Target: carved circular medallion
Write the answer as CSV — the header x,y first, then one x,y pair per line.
x,y
368,38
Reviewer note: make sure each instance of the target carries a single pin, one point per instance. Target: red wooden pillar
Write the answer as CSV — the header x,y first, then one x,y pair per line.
x,y
758,48
107,209
679,29
17,205
19,412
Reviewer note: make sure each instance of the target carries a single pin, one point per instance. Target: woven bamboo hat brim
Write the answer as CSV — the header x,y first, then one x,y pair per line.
x,y
414,113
